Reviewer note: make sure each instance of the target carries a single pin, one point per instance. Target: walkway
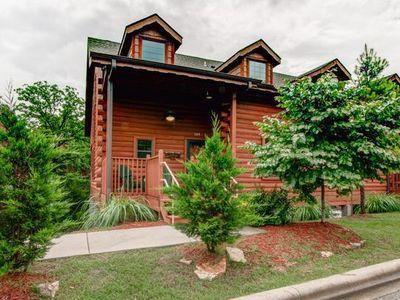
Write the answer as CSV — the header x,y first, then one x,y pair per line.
x,y
122,239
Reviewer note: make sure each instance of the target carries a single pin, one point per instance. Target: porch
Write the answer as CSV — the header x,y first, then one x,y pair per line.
x,y
151,124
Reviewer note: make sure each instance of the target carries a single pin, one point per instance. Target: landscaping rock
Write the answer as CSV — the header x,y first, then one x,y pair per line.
x,y
357,245
209,271
49,289
236,255
185,261
326,254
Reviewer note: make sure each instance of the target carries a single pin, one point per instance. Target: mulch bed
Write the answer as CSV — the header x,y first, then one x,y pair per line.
x,y
18,286
282,245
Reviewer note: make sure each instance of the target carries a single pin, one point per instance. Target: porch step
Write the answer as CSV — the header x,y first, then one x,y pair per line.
x,y
166,216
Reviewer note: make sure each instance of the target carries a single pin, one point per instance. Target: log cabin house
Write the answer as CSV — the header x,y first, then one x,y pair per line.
x,y
148,109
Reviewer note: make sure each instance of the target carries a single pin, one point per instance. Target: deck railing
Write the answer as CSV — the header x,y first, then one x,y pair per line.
x,y
394,183
129,176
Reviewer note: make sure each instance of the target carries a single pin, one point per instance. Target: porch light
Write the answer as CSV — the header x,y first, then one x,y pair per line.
x,y
170,116
208,96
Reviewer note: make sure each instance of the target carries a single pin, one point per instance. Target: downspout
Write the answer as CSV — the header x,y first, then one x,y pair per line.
x,y
110,96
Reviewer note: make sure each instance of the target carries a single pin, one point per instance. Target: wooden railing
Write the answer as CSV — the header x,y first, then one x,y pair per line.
x,y
154,179
129,175
394,183
144,176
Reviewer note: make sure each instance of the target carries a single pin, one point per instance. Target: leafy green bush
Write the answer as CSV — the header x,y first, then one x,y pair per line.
x,y
272,207
31,206
207,194
310,212
119,210
380,203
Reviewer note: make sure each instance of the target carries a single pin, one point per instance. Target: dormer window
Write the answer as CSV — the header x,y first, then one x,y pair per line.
x,y
154,51
257,70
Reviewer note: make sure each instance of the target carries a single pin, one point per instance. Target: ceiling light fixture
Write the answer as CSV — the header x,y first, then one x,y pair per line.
x,y
170,116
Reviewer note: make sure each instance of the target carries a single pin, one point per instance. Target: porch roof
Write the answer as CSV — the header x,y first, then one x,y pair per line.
x,y
171,78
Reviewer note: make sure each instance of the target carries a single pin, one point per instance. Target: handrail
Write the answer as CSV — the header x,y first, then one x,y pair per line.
x,y
170,172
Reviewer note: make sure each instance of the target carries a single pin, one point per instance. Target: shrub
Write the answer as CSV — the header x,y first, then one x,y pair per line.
x,y
272,207
206,196
119,210
31,206
380,203
310,212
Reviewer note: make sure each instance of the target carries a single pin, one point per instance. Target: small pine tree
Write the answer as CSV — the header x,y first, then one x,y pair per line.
x,y
206,196
30,207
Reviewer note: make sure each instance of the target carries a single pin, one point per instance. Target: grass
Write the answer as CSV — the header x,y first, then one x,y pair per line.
x,y
157,274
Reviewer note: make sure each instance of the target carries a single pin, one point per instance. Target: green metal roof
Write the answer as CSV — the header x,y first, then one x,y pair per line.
x,y
110,47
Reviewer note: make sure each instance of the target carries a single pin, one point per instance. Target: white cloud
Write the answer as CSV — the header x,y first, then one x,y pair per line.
x,y
46,40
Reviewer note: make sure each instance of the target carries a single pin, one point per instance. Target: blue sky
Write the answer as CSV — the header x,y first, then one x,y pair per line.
x,y
46,39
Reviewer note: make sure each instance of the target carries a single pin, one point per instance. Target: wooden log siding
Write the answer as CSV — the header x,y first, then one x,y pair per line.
x,y
249,112
138,118
97,135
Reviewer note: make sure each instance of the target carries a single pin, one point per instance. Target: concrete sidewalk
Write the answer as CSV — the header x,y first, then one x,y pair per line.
x,y
122,239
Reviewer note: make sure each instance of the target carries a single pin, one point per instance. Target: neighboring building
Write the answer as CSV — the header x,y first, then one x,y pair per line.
x,y
148,108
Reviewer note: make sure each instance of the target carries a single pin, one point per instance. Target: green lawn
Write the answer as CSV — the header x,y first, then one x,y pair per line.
x,y
157,274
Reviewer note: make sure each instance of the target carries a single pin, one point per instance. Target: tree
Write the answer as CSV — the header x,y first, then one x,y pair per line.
x,y
8,98
31,206
206,196
59,113
375,102
54,110
307,144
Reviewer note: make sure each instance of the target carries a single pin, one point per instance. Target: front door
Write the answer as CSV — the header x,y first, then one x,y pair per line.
x,y
192,148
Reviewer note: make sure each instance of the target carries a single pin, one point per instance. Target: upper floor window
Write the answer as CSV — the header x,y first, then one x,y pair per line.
x,y
257,70
154,51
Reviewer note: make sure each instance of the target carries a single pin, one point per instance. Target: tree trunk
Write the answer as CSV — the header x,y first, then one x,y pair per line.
x,y
362,200
322,202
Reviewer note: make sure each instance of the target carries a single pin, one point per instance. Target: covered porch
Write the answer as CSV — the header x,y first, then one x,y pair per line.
x,y
153,121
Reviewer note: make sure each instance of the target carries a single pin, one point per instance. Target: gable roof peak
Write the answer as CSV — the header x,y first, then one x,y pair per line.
x,y
148,21
259,44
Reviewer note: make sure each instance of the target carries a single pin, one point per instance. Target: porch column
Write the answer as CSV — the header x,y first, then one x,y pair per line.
x,y
233,123
110,99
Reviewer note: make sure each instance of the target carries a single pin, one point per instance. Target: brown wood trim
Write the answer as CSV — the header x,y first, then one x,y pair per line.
x,y
153,144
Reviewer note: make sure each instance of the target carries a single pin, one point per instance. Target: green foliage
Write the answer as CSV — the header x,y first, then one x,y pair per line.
x,y
54,110
59,113
31,206
310,212
118,210
332,133
375,105
380,203
307,144
206,196
272,207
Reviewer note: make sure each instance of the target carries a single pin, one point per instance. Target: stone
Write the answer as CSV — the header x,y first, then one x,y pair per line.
x,y
209,271
185,261
357,245
49,289
326,254
235,254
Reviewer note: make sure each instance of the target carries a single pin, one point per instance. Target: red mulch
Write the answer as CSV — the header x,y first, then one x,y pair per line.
x,y
18,286
281,245
139,224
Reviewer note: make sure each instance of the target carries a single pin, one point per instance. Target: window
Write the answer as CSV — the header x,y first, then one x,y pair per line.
x,y
154,51
257,70
144,147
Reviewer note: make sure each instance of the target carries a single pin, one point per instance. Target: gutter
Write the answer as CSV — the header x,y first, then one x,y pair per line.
x,y
340,286
250,82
